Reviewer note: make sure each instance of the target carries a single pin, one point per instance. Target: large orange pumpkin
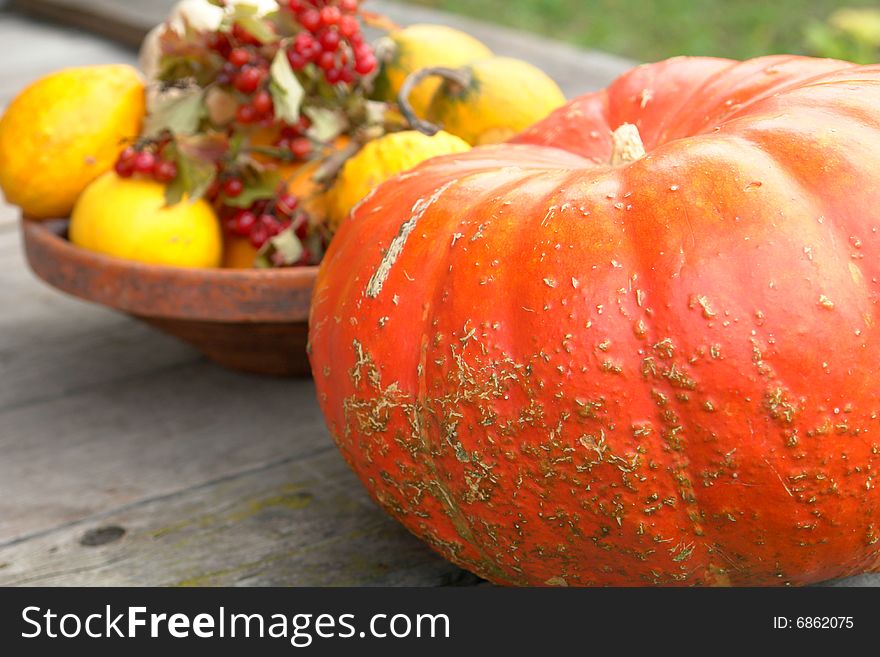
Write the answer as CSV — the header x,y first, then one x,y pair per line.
x,y
559,371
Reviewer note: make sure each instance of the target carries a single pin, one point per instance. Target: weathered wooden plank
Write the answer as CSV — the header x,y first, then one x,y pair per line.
x,y
858,580
32,49
307,522
8,214
98,411
117,443
51,344
122,21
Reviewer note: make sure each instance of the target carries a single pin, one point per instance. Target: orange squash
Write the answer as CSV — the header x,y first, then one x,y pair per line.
x,y
579,359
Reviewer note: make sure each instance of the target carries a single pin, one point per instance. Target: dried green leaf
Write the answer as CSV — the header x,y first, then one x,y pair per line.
x,y
375,112
327,124
194,177
287,92
179,111
196,166
207,146
248,16
236,141
284,23
284,249
184,56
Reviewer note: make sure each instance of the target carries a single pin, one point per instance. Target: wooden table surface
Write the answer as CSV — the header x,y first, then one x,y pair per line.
x,y
126,458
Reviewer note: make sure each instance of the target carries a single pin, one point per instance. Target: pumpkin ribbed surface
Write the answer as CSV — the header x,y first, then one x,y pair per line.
x,y
558,371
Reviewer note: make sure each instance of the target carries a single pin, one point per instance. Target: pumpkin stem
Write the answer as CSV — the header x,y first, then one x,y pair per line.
x,y
458,77
627,145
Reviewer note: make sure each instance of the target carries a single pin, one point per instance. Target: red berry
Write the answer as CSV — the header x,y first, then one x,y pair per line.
x,y
213,190
269,116
304,43
333,75
124,165
346,76
246,114
245,220
165,171
128,153
362,50
124,168
286,204
330,40
295,6
348,6
310,19
301,148
219,42
330,15
270,223
248,79
233,187
297,61
259,236
302,228
144,162
349,26
327,60
262,102
366,65
239,57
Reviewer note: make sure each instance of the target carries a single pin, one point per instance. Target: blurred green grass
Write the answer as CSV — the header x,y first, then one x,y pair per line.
x,y
649,30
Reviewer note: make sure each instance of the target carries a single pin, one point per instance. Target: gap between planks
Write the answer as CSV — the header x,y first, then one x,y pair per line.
x,y
305,522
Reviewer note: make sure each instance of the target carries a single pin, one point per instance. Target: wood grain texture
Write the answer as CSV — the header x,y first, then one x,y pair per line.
x,y
216,478
305,522
52,345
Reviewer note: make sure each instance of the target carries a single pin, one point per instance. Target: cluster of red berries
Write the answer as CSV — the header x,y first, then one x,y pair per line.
x,y
331,40
246,69
293,139
265,219
148,161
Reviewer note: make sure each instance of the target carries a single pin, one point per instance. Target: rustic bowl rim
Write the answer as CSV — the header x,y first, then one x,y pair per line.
x,y
150,290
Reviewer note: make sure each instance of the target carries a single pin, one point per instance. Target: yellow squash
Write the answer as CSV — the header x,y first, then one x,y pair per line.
x,y
64,131
128,218
422,46
502,96
380,160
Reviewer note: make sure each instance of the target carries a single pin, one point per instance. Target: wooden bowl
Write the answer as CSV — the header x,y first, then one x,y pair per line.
x,y
252,320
